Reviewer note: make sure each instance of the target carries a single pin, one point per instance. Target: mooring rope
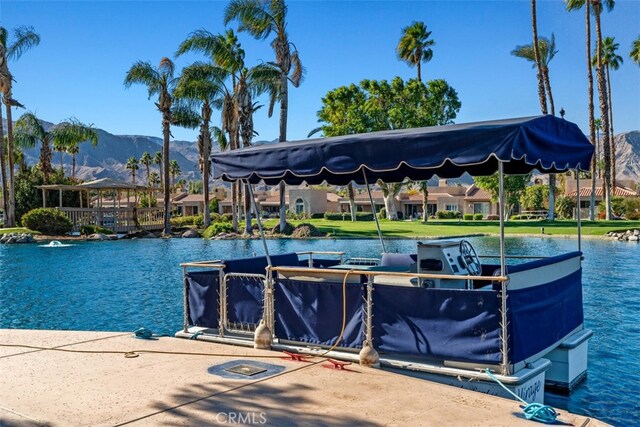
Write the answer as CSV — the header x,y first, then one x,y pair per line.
x,y
532,411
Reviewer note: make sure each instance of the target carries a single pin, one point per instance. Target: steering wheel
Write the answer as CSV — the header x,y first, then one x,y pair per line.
x,y
470,258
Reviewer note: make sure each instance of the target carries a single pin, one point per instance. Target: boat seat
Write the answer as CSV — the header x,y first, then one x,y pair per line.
x,y
408,261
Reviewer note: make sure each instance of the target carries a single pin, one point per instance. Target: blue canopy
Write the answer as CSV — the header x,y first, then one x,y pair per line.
x,y
545,143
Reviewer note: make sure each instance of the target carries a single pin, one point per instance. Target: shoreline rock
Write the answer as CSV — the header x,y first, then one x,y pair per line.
x,y
11,238
632,235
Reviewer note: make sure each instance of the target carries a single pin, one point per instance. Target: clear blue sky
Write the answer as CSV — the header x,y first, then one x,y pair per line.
x,y
87,47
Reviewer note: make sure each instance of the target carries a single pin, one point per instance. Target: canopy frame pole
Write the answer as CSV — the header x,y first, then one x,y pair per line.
x,y
504,349
373,209
579,214
255,210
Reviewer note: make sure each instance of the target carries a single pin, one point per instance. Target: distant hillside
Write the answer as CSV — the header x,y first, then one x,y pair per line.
x,y
628,155
109,157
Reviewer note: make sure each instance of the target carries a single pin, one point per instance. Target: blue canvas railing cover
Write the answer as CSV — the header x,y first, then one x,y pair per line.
x,y
203,289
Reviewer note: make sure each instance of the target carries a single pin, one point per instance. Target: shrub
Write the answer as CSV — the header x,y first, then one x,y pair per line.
x,y
336,216
306,230
493,217
219,227
186,221
477,217
47,221
565,206
288,229
86,230
383,213
226,217
468,217
317,215
215,217
447,214
364,216
632,208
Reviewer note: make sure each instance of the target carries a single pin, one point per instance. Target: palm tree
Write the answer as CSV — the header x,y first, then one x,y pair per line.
x,y
28,132
200,86
635,51
132,165
146,161
536,56
612,60
66,137
159,81
157,160
576,5
414,46
424,189
154,179
604,104
70,134
261,19
24,38
174,171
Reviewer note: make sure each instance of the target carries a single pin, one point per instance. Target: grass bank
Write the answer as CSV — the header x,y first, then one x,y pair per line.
x,y
408,229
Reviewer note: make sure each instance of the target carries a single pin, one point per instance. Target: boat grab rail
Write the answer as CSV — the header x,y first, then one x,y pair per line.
x,y
514,256
387,273
204,264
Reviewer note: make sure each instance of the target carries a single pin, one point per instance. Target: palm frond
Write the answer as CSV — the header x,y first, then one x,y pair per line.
x,y
218,135
24,39
144,73
3,36
252,16
166,67
574,4
298,70
29,131
185,116
201,41
314,131
73,132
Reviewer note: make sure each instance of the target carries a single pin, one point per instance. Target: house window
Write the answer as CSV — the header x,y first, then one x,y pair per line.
x,y
299,206
452,208
195,210
481,208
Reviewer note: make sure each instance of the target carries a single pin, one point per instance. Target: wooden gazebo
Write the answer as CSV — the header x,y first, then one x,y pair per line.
x,y
118,218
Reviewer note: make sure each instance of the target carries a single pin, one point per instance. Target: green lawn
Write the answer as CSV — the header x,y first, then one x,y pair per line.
x,y
17,230
453,227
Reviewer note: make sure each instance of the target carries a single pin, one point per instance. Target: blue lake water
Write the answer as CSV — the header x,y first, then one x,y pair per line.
x,y
120,286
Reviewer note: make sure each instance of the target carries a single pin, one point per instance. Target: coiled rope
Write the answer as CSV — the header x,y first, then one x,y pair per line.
x,y
532,411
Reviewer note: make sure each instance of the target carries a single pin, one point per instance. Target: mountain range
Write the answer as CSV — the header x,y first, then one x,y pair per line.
x,y
109,157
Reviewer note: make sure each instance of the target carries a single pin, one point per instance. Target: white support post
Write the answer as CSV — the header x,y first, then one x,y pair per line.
x,y
255,210
503,270
373,209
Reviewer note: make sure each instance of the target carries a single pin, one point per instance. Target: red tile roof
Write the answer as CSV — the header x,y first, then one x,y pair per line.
x,y
619,191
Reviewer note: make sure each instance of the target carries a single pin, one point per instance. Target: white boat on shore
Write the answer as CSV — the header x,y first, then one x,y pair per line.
x,y
443,313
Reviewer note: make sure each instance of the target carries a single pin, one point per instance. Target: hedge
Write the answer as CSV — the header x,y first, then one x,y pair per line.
x,y
447,214
477,217
86,230
47,221
216,228
186,221
468,217
346,216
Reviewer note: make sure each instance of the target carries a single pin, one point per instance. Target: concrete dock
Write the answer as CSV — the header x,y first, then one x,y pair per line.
x,y
92,383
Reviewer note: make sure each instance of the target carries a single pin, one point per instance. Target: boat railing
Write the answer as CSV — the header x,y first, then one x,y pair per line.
x,y
311,254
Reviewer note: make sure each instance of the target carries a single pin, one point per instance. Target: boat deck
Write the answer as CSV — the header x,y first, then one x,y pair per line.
x,y
102,387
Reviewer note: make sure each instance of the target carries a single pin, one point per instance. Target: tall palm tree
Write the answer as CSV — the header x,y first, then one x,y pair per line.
x,y
536,55
132,165
157,160
604,104
227,56
146,161
200,86
159,81
576,5
70,134
174,171
424,189
261,19
634,54
24,38
611,60
546,52
414,46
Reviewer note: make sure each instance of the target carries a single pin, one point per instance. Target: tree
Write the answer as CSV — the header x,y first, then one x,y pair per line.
x,y
174,171
514,186
604,104
261,19
146,160
24,38
380,105
536,55
157,160
546,52
533,197
159,81
424,189
132,165
635,51
611,60
66,136
414,46
70,134
576,5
